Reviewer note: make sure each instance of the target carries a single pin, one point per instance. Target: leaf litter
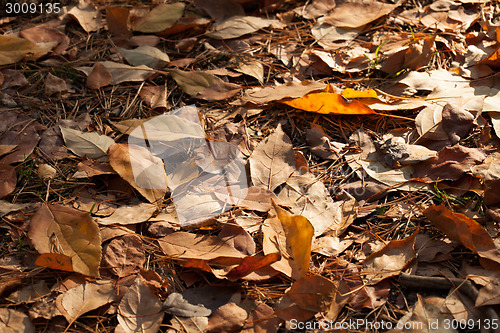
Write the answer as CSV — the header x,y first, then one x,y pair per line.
x,y
237,165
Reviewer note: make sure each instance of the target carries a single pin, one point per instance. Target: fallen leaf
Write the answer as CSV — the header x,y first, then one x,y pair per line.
x,y
8,180
252,68
204,85
351,93
237,26
154,96
47,38
119,73
456,122
176,304
228,318
58,261
489,171
30,293
145,55
321,144
140,169
6,207
221,8
86,15
160,18
64,230
13,49
250,264
117,21
99,77
237,237
261,320
299,233
84,298
140,310
276,93
124,256
132,214
13,321
185,245
390,260
329,103
273,161
464,230
91,168
90,144
355,14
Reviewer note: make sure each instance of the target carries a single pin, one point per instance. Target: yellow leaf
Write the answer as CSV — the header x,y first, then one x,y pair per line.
x,y
351,93
328,103
299,232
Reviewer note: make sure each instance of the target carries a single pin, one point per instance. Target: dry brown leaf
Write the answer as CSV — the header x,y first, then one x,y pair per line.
x,y
420,53
252,68
90,144
125,255
145,55
238,26
273,161
86,15
489,172
147,174
84,298
99,77
277,93
355,14
117,21
238,237
160,18
91,168
185,245
228,318
8,180
124,215
64,230
13,321
261,320
250,264
178,306
204,85
119,73
217,9
154,96
54,85
140,310
47,38
390,260
13,49
464,230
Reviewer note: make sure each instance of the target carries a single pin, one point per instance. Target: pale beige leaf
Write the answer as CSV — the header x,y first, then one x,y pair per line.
x,y
13,49
140,309
252,68
64,230
160,18
121,72
124,215
273,161
228,318
90,144
84,298
86,15
13,321
276,93
140,169
238,26
185,245
145,55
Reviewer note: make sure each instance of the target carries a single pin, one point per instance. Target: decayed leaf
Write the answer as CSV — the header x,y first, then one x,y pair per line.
x,y
99,77
145,55
47,38
299,233
204,85
84,298
119,73
30,293
8,180
140,169
273,161
238,26
140,309
321,144
228,318
154,96
13,49
13,321
390,260
124,255
160,18
6,207
129,214
117,20
90,144
54,85
184,245
64,230
464,230
329,103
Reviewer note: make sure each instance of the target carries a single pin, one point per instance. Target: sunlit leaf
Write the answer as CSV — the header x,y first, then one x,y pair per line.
x,y
329,103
